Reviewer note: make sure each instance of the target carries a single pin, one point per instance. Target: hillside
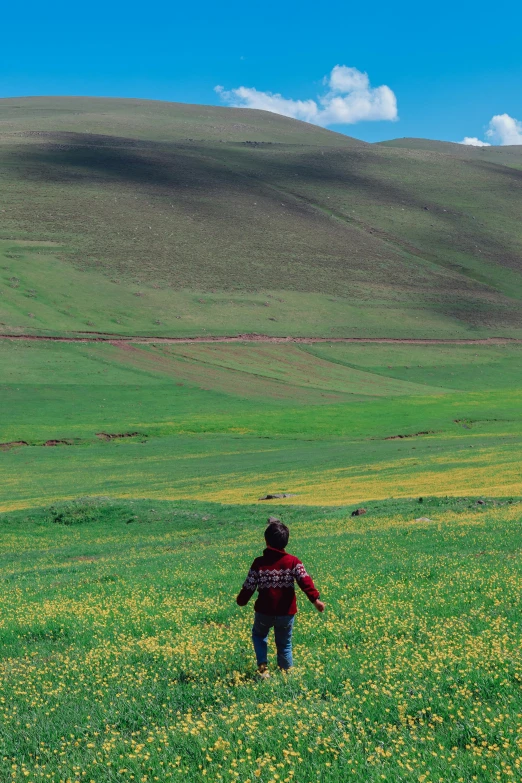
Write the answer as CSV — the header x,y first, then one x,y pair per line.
x,y
141,217
158,121
502,156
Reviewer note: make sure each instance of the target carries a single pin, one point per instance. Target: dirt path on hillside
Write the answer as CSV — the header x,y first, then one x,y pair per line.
x,y
113,339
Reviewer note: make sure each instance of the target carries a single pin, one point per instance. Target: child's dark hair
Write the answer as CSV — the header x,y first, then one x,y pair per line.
x,y
277,535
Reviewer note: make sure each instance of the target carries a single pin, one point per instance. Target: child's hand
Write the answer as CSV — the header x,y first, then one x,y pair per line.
x,y
319,605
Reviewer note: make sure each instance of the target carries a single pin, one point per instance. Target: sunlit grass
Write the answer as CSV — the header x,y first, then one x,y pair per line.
x,y
233,423
125,658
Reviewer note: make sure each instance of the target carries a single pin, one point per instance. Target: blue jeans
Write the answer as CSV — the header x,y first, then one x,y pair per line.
x,y
282,625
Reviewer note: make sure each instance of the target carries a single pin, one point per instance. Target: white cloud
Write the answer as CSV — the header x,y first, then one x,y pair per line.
x,y
250,98
349,99
472,141
502,130
505,130
344,79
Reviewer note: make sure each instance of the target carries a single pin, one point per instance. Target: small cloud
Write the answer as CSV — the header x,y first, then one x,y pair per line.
x,y
343,79
502,130
505,130
250,98
472,141
349,99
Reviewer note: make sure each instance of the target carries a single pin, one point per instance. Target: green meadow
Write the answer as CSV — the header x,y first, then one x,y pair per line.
x,y
125,658
132,473
329,423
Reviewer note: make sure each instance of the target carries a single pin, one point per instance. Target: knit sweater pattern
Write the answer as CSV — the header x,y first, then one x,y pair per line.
x,y
273,575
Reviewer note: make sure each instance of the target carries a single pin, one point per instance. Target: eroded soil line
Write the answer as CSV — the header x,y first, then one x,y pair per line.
x,y
258,338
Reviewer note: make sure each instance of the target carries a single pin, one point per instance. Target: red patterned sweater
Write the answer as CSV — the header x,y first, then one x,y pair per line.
x,y
273,575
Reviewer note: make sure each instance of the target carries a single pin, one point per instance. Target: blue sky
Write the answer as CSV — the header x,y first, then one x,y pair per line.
x,y
451,66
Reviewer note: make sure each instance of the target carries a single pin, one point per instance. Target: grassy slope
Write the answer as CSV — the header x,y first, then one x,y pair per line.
x,y
156,206
40,293
124,657
510,155
231,423
141,217
158,121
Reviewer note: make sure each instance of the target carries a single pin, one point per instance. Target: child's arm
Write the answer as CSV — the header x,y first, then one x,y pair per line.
x,y
249,586
306,583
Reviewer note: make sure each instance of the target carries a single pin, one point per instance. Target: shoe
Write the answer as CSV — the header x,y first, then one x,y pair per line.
x,y
263,672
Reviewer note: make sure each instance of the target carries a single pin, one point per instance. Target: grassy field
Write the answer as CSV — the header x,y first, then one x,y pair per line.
x,y
125,658
39,295
230,423
131,473
146,218
155,218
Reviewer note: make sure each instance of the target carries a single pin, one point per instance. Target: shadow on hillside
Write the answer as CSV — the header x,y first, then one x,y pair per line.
x,y
203,171
69,157
207,169
72,157
201,176
367,172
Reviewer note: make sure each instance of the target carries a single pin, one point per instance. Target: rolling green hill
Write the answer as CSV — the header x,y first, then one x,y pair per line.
x,y
159,121
143,217
502,156
136,474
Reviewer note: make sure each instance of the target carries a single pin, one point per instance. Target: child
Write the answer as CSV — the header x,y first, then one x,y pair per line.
x,y
273,576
